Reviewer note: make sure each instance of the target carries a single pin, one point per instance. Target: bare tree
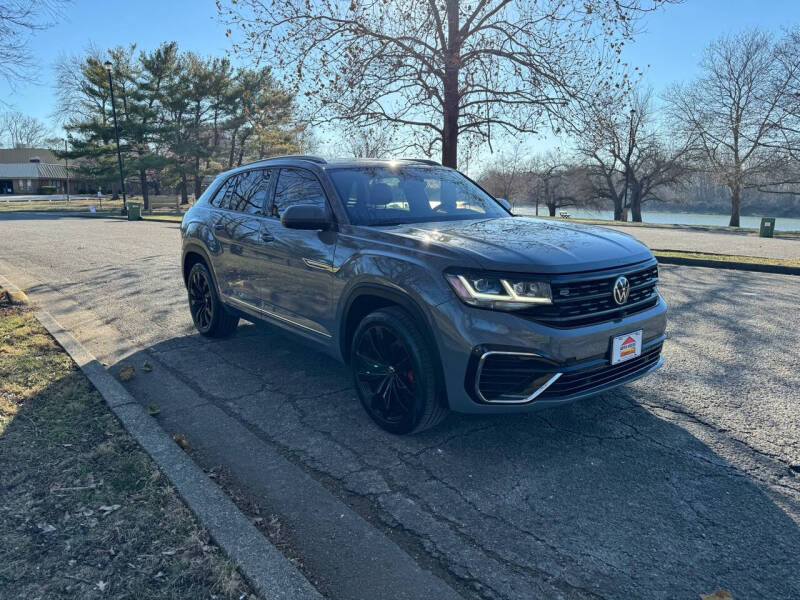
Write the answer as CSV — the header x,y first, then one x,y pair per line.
x,y
736,111
506,176
628,154
450,70
559,183
551,180
18,20
369,143
787,123
21,131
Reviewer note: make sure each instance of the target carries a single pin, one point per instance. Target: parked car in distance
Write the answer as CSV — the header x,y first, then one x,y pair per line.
x,y
434,294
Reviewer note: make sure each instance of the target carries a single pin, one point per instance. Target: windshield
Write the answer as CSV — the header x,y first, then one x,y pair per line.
x,y
393,195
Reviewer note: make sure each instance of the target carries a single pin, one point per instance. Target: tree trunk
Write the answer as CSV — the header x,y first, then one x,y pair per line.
x,y
636,205
619,212
736,194
198,182
552,209
184,188
233,148
145,194
451,99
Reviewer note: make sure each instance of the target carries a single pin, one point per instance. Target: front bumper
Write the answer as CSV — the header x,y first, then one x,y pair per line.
x,y
580,355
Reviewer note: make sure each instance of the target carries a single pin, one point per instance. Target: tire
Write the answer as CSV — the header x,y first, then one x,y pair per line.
x,y
395,374
210,317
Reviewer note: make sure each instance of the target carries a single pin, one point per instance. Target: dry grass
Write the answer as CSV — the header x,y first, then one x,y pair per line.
x,y
159,204
84,512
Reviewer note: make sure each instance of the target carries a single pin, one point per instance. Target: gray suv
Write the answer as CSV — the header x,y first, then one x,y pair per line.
x,y
427,286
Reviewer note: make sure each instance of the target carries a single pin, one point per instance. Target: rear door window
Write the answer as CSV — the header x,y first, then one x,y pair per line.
x,y
251,192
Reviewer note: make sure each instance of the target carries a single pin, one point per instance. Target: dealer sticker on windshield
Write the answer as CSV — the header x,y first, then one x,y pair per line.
x,y
625,347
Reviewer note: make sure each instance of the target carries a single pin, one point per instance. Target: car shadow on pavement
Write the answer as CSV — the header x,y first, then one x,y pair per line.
x,y
603,498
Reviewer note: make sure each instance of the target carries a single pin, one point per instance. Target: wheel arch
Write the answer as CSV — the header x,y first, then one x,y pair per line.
x,y
369,297
192,254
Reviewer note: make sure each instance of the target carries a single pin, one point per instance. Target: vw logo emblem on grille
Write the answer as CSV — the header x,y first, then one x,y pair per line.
x,y
621,290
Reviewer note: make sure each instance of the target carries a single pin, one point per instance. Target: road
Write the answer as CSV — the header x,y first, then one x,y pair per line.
x,y
672,486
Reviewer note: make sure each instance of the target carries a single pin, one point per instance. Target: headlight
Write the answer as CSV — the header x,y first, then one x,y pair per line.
x,y
501,293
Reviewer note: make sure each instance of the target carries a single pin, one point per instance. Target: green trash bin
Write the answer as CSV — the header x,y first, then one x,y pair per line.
x,y
767,227
134,212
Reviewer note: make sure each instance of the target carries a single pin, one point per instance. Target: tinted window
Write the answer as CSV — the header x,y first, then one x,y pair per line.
x,y
296,186
389,195
250,193
219,198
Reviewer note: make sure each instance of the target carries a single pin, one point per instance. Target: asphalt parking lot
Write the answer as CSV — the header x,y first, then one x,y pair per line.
x,y
672,486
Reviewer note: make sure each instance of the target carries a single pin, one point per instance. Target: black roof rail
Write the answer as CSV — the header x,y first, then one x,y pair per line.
x,y
424,161
308,157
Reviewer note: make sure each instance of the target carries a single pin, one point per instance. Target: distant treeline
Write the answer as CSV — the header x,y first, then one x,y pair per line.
x,y
716,200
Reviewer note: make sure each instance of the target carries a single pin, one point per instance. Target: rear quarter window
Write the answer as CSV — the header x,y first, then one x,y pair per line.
x,y
221,198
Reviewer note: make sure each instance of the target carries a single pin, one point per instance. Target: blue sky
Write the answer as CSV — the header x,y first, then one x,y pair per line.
x,y
671,42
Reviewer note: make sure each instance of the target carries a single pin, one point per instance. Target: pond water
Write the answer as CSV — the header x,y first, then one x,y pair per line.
x,y
781,223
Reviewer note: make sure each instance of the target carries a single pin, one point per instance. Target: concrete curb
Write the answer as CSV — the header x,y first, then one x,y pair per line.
x,y
269,571
726,264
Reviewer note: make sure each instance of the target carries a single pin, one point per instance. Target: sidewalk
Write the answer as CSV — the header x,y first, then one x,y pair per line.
x,y
717,242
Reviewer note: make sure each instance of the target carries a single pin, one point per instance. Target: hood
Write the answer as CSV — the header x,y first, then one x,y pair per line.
x,y
529,245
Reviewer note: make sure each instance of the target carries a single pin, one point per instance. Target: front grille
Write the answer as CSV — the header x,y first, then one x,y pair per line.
x,y
514,377
576,382
589,299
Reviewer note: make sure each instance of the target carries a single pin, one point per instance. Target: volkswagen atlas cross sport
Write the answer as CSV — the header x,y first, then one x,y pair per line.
x,y
435,295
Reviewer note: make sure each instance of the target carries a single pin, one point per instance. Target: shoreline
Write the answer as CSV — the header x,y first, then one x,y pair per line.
x,y
790,234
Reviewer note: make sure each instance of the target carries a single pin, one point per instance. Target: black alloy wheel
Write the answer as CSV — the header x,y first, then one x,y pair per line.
x,y
209,315
393,370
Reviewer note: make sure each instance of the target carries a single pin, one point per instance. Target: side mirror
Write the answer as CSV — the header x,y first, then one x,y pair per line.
x,y
305,216
504,203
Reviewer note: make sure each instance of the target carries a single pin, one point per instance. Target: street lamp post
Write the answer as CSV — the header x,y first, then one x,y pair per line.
x,y
108,65
628,163
66,165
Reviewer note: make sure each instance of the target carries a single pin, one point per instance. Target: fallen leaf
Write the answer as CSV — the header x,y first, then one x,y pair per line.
x,y
152,410
46,527
169,552
107,510
147,367
717,595
181,440
102,585
126,373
